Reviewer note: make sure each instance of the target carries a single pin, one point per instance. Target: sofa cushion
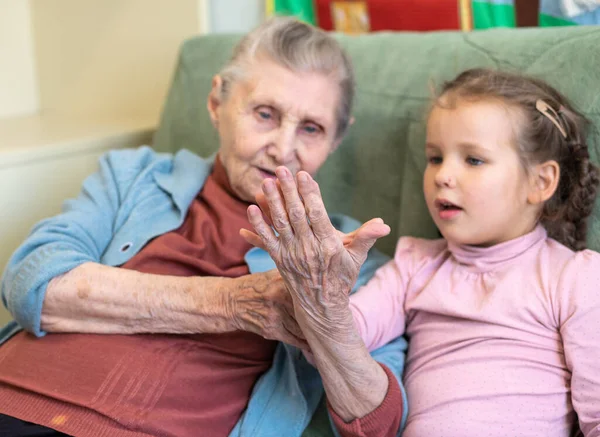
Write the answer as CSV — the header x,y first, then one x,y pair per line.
x,y
378,168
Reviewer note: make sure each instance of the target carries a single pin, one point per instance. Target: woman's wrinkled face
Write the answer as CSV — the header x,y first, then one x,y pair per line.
x,y
273,117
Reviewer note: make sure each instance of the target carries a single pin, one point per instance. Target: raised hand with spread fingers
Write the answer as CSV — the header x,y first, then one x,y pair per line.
x,y
319,266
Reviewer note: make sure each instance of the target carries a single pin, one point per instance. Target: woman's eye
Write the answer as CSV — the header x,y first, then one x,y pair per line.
x,y
474,161
264,114
311,129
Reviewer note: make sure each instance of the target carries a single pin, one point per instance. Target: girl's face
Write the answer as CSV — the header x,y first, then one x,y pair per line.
x,y
475,186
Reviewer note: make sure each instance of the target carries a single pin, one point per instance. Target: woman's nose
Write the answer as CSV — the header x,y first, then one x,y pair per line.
x,y
283,147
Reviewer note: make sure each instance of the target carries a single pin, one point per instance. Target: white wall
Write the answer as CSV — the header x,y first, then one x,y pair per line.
x,y
102,68
110,56
235,16
18,86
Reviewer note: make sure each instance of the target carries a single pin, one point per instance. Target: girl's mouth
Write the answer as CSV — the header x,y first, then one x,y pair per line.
x,y
446,209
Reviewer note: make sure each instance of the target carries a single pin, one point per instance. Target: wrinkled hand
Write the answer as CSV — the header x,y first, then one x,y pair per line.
x,y
263,305
261,200
318,264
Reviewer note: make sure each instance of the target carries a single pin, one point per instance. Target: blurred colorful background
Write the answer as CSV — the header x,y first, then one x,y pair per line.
x,y
354,16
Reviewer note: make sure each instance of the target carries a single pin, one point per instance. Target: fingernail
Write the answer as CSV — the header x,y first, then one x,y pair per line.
x,y
253,210
281,172
302,177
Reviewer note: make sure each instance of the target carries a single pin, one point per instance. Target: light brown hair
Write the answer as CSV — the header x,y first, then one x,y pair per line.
x,y
538,140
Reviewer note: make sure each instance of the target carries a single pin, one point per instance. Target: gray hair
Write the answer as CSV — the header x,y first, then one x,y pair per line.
x,y
299,47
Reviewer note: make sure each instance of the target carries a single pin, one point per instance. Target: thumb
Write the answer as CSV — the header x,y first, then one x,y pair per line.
x,y
252,239
365,237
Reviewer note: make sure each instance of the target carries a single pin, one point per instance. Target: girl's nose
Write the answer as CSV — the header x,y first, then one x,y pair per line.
x,y
445,177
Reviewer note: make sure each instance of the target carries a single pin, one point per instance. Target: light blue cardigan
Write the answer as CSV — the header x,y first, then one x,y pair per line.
x,y
135,196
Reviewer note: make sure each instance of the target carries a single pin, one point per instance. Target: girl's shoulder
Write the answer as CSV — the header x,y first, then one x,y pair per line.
x,y
575,276
577,288
564,259
584,265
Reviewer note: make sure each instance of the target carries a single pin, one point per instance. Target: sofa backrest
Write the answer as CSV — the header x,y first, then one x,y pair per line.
x,y
377,170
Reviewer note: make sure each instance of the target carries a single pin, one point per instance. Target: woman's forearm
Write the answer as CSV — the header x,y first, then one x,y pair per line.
x,y
94,298
354,382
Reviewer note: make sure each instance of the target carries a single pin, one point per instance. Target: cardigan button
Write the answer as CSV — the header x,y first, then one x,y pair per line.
x,y
126,247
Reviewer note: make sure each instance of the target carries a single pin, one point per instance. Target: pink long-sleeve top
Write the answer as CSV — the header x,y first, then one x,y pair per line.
x,y
503,341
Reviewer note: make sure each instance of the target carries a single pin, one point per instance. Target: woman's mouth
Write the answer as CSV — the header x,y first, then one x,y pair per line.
x,y
266,174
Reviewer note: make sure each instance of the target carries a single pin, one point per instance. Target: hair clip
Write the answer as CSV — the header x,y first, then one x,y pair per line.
x,y
549,112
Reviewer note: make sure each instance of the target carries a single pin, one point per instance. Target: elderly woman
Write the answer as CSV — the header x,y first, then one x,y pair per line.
x,y
152,247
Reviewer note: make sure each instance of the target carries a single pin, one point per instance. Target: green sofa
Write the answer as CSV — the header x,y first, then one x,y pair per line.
x,y
378,168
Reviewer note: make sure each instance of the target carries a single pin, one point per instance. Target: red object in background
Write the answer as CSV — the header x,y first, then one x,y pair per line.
x,y
415,15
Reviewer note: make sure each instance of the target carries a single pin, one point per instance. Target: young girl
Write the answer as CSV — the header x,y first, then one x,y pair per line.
x,y
503,313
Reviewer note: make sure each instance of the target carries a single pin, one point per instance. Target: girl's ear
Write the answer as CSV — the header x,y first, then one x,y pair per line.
x,y
214,100
544,179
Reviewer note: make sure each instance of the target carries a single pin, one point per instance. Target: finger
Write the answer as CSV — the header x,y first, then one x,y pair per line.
x,y
292,339
252,238
295,341
276,205
261,201
365,237
373,229
293,203
293,328
310,357
263,230
256,325
315,209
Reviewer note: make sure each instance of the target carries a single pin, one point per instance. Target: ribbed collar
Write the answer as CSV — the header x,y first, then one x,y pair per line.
x,y
484,259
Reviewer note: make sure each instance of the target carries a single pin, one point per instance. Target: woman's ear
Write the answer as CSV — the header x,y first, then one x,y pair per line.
x,y
544,181
214,100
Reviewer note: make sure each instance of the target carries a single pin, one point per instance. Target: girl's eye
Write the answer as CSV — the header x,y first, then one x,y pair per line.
x,y
434,160
474,161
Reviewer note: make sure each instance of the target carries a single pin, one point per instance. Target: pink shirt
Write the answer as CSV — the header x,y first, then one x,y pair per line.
x,y
503,341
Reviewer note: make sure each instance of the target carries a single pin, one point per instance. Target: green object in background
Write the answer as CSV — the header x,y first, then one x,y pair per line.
x,y
501,13
487,15
550,21
302,9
